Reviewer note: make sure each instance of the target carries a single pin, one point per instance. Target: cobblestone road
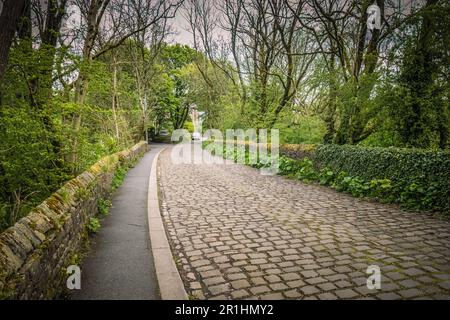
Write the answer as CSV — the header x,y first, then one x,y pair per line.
x,y
236,234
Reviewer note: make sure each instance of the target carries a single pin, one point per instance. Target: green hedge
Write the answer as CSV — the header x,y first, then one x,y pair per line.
x,y
414,178
392,163
298,151
422,176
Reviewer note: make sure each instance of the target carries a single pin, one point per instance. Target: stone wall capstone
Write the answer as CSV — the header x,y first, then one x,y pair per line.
x,y
35,251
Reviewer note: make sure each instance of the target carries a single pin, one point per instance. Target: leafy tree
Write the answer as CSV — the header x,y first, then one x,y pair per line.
x,y
419,100
174,58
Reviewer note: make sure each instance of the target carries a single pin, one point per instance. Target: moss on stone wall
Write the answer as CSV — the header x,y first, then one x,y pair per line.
x,y
35,250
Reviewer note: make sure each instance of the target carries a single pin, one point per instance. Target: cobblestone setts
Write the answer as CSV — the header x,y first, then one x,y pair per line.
x,y
236,234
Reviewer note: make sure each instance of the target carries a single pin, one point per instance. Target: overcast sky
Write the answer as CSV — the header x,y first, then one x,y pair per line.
x,y
179,25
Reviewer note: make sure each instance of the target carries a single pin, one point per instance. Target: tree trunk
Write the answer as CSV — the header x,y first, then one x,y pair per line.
x,y
115,100
49,37
24,30
9,21
417,75
94,16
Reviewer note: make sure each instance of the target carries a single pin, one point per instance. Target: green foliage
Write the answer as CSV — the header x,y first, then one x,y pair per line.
x,y
4,216
175,58
401,102
416,96
418,119
37,150
354,185
307,171
92,141
93,225
357,108
29,166
298,151
103,207
300,129
414,178
326,176
381,189
189,126
75,259
119,176
288,166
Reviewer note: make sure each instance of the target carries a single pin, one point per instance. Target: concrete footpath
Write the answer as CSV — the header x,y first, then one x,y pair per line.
x,y
120,263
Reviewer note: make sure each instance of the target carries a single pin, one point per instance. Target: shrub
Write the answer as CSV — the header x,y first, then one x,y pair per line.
x,y
288,166
93,225
418,178
298,151
381,188
103,207
326,176
307,171
119,176
415,178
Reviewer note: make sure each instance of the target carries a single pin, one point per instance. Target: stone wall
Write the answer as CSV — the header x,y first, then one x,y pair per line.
x,y
36,250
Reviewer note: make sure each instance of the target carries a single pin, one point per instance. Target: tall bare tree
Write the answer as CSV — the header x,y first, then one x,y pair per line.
x,y
259,44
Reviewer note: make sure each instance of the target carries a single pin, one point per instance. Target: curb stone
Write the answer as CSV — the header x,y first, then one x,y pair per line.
x,y
169,280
